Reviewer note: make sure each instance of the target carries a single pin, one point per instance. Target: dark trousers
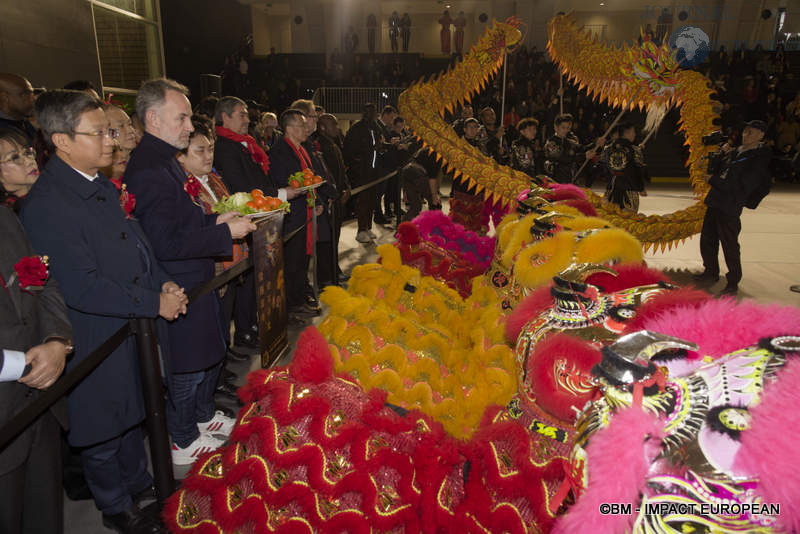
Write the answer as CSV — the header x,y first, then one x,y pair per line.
x,y
191,401
31,497
391,195
295,269
365,206
719,227
244,311
416,190
115,470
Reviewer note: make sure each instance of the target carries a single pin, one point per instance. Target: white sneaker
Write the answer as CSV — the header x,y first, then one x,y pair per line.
x,y
204,443
372,234
364,237
219,425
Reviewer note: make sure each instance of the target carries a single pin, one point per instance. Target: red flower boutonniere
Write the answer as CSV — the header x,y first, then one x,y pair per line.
x,y
192,187
31,271
127,200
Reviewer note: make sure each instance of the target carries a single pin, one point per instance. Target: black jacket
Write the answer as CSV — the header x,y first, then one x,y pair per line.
x,y
238,170
186,242
27,319
107,272
735,176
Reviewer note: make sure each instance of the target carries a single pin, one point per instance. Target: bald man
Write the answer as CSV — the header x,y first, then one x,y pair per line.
x,y
16,104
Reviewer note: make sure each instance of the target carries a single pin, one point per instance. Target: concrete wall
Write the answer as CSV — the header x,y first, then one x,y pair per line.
x,y
50,42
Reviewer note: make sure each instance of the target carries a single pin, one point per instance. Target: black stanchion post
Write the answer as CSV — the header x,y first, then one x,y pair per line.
x,y
334,218
398,200
152,390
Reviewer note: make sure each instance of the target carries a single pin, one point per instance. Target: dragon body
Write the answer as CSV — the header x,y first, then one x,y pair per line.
x,y
644,77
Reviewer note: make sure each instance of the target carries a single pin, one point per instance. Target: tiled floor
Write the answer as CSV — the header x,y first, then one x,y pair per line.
x,y
770,243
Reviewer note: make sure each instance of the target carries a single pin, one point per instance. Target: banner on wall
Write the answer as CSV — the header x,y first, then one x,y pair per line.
x,y
273,318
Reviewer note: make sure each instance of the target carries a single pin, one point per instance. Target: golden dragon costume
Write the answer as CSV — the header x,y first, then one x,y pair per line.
x,y
645,77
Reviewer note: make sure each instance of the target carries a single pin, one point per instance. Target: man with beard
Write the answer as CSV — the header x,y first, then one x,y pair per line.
x,y
16,104
186,242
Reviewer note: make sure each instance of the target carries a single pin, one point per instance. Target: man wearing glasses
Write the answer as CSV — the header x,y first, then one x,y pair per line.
x,y
16,104
108,273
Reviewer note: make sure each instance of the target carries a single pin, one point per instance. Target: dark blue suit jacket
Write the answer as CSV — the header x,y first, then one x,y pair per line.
x,y
185,241
107,273
283,162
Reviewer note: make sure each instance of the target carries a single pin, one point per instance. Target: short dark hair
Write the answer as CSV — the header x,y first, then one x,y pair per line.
x,y
202,126
81,85
564,117
289,115
624,127
153,93
526,123
388,109
207,106
60,110
398,120
226,105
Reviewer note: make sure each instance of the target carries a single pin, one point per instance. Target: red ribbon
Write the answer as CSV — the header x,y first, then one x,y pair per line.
x,y
305,163
256,152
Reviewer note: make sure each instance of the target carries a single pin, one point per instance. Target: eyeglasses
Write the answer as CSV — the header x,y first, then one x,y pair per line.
x,y
111,133
16,157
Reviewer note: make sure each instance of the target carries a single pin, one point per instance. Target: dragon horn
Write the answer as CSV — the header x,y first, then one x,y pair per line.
x,y
579,272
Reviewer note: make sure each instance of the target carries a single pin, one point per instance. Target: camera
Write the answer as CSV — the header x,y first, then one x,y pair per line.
x,y
714,138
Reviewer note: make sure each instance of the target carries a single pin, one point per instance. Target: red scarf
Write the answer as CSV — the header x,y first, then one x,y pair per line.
x,y
256,152
305,163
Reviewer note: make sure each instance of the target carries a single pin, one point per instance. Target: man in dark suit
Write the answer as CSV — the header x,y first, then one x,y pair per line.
x,y
16,104
361,145
286,158
107,273
186,242
243,166
33,323
328,130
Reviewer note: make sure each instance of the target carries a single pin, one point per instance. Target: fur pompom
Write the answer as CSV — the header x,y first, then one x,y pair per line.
x,y
312,361
629,275
720,326
572,360
564,192
769,451
618,459
524,312
408,234
687,298
582,206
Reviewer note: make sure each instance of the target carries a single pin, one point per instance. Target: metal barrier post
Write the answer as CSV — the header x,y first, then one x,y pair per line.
x,y
156,421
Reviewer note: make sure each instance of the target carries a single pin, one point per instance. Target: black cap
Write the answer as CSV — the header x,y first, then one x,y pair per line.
x,y
758,125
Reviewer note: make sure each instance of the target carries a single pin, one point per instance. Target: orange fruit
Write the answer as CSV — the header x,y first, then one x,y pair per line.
x,y
251,205
261,203
294,183
317,180
257,193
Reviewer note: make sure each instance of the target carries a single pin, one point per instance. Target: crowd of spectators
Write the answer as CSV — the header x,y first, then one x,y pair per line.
x,y
122,218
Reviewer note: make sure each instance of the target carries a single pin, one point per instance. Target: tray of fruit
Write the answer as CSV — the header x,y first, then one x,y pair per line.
x,y
253,205
305,180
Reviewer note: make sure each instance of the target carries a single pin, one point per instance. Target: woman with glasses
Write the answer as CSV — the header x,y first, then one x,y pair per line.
x,y
18,168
